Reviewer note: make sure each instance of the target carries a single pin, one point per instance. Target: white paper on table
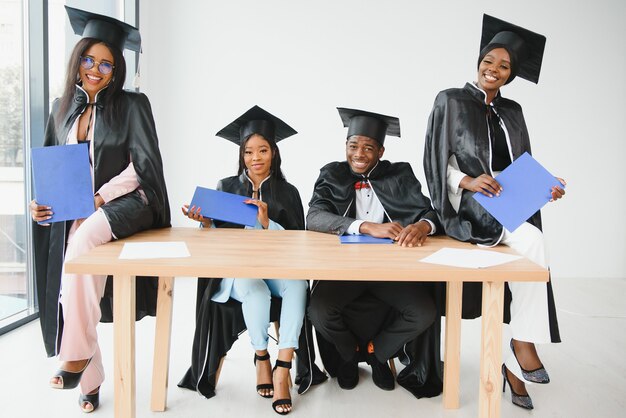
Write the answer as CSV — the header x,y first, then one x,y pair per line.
x,y
469,258
143,250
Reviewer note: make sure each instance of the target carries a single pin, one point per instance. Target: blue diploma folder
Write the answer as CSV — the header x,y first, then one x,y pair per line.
x,y
526,187
222,206
363,239
62,180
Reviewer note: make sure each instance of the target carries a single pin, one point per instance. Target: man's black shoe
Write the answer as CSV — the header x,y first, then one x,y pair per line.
x,y
381,373
348,374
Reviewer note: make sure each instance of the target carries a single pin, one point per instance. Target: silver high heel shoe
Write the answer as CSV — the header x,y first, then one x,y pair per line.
x,y
539,375
523,401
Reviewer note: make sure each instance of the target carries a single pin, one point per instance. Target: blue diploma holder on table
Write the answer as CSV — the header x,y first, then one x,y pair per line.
x,y
526,187
223,206
62,180
363,239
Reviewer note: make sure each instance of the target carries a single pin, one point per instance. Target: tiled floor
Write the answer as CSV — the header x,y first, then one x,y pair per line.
x,y
588,370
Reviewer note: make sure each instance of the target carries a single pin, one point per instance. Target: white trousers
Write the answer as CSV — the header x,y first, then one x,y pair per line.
x,y
530,321
529,308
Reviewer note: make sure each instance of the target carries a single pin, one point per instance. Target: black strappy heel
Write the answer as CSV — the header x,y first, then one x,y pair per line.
x,y
263,386
281,402
68,380
93,400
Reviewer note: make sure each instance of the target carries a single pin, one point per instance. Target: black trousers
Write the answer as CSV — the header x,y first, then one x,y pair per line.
x,y
413,301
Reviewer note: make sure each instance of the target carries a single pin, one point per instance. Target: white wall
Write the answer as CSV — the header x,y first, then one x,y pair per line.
x,y
206,62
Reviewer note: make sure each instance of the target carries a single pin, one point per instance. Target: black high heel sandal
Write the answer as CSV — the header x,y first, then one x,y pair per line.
x,y
523,401
538,375
92,399
263,386
68,380
286,401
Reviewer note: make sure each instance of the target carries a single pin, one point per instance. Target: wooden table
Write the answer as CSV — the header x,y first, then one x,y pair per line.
x,y
298,255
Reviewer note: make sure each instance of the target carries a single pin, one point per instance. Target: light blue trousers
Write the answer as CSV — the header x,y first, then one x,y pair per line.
x,y
255,297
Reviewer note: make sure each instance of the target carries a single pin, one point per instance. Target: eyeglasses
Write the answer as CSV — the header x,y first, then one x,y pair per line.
x,y
104,67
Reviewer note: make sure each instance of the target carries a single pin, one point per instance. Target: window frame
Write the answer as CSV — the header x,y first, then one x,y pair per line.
x,y
35,107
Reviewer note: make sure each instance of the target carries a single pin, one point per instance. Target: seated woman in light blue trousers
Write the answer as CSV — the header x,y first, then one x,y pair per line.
x,y
279,207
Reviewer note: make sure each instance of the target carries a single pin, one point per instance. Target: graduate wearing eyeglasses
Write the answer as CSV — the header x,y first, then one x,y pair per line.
x,y
129,196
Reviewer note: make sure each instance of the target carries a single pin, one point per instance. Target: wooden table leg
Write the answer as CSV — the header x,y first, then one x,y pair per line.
x,y
160,367
452,356
490,395
124,345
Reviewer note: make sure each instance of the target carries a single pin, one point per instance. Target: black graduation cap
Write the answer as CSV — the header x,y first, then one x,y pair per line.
x,y
371,125
256,121
527,46
107,29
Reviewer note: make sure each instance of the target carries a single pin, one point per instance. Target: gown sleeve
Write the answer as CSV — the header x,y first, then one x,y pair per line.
x,y
327,198
146,158
292,214
122,184
454,176
468,225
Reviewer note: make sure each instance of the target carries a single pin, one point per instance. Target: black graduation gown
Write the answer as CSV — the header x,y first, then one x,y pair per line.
x,y
218,325
133,138
458,126
400,193
395,185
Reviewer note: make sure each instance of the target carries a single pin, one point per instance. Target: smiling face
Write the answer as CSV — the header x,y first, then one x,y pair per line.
x,y
363,153
494,70
92,79
257,156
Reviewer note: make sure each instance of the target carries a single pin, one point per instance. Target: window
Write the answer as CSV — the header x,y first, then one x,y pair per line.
x,y
15,290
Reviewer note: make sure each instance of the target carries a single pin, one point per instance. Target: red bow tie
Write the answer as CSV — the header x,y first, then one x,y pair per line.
x,y
362,184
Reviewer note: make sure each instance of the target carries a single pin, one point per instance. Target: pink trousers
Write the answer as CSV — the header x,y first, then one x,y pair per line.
x,y
80,298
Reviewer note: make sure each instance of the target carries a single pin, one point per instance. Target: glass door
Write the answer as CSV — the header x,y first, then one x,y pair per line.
x,y
15,291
